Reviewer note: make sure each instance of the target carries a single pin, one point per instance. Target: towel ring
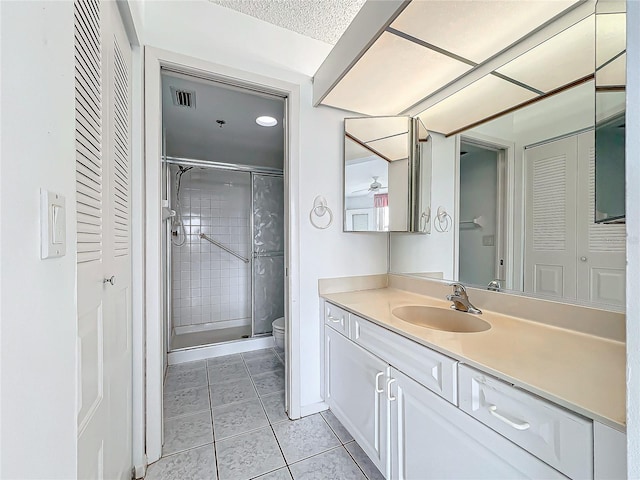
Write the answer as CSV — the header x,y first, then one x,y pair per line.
x,y
443,221
320,209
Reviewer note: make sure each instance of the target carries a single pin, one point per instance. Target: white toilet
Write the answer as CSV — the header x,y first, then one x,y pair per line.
x,y
278,332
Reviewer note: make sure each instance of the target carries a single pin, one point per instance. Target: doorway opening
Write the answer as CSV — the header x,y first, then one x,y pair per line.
x,y
223,210
482,215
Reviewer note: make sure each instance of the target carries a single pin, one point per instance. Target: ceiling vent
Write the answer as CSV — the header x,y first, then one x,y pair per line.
x,y
183,98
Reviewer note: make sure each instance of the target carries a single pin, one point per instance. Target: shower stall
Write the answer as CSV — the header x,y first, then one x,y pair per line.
x,y
224,246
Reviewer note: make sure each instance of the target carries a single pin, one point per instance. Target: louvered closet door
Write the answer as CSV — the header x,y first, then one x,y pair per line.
x,y
600,247
103,86
550,215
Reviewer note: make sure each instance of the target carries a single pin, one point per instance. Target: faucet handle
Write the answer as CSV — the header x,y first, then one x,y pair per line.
x,y
458,288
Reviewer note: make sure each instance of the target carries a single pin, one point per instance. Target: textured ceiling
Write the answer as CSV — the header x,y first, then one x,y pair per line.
x,y
324,20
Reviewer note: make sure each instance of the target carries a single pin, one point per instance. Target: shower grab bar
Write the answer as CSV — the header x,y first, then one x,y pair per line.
x,y
228,250
267,254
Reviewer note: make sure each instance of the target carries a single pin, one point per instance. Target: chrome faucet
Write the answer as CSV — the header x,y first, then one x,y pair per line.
x,y
460,299
494,285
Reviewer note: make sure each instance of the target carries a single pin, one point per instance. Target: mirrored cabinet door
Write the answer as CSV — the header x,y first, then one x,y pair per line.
x,y
610,77
386,182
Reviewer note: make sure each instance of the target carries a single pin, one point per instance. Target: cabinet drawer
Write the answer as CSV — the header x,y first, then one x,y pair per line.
x,y
337,318
435,371
561,438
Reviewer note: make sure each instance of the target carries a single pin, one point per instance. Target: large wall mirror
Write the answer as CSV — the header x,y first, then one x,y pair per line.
x,y
520,190
386,175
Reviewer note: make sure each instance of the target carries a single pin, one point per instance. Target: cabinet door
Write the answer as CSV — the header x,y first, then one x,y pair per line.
x,y
355,382
432,439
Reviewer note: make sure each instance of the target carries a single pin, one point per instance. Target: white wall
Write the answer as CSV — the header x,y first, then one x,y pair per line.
x,y
633,240
215,34
38,315
330,252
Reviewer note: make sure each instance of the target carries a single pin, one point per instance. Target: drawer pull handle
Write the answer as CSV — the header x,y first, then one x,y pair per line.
x,y
390,397
378,389
334,319
511,423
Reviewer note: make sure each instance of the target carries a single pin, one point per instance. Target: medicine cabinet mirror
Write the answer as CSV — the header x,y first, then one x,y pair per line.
x,y
387,175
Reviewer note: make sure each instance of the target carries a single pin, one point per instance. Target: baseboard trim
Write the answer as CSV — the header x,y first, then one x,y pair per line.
x,y
210,351
306,410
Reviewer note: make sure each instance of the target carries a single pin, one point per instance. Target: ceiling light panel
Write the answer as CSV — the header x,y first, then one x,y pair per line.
x,y
564,58
392,148
613,74
486,97
476,29
375,128
354,152
397,73
611,34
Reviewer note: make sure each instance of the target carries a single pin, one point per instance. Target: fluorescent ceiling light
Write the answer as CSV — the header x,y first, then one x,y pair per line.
x,y
562,59
397,73
266,121
476,30
483,98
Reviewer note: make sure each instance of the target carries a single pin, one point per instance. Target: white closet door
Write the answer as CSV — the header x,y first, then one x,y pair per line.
x,y
550,240
103,66
601,266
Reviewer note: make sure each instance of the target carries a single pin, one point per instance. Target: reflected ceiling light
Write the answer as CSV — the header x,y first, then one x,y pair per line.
x,y
266,121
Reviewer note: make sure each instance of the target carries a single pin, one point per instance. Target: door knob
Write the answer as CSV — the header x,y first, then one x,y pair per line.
x,y
583,259
111,280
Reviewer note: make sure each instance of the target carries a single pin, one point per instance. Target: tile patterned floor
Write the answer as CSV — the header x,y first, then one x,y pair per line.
x,y
225,420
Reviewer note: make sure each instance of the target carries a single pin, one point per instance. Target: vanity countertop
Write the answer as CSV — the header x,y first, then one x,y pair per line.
x,y
584,373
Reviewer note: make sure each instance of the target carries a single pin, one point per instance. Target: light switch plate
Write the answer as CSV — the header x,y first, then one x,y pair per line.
x,y
53,225
488,241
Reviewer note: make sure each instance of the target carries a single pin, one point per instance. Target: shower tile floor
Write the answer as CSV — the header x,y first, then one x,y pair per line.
x,y
225,419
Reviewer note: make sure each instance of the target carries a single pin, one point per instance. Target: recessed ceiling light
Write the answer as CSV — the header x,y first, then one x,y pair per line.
x,y
266,121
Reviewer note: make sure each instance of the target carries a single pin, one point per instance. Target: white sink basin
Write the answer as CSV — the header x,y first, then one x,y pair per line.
x,y
444,319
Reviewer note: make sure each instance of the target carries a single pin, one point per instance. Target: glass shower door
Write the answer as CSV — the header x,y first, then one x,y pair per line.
x,y
268,250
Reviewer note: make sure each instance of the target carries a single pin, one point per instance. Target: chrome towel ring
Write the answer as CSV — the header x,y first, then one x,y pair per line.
x,y
319,210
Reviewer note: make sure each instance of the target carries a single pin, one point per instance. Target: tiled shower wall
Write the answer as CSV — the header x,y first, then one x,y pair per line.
x,y
211,288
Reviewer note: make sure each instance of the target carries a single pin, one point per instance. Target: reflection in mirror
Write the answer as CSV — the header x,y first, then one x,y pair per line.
x,y
481,210
540,237
366,189
382,174
610,110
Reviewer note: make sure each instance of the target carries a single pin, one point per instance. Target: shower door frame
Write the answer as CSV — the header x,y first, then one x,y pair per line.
x,y
235,167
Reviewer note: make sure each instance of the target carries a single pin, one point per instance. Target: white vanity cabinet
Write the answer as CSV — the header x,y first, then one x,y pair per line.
x,y
561,438
609,453
354,390
410,427
432,439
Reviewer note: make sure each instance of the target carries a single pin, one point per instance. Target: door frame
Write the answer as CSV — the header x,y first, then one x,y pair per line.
x,y
154,60
506,215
